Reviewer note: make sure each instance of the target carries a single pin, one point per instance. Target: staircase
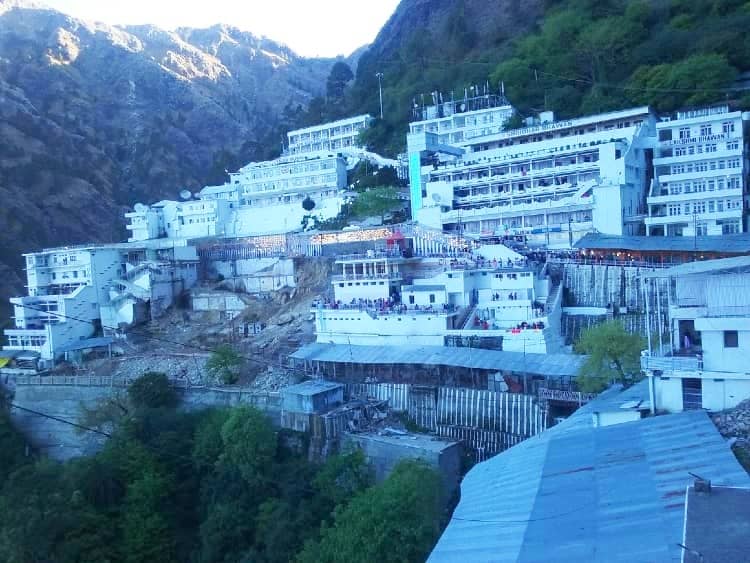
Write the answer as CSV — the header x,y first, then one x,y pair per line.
x,y
554,290
466,323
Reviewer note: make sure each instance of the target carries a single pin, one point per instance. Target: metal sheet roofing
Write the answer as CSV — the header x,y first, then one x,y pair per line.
x,y
309,388
736,263
553,365
86,344
725,244
578,493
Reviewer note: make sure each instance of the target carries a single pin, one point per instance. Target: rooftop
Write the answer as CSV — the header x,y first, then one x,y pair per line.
x,y
725,244
313,387
548,365
717,525
407,440
578,493
735,264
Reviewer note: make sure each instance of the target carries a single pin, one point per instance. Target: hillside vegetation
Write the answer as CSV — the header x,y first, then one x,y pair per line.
x,y
570,56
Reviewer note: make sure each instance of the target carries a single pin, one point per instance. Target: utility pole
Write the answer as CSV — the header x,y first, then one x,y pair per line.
x,y
380,91
695,229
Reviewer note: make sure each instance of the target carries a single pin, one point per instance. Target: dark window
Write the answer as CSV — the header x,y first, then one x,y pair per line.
x,y
692,394
411,300
730,339
432,298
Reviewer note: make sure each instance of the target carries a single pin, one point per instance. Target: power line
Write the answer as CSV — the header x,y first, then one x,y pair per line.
x,y
55,418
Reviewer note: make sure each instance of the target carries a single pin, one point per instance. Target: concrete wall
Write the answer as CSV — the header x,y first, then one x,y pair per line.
x,y
717,394
62,441
385,452
256,275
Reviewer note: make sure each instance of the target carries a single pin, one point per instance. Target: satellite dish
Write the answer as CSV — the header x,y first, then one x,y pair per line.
x,y
185,194
436,198
140,208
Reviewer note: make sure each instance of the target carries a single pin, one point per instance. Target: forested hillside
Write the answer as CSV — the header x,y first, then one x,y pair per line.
x,y
219,486
569,56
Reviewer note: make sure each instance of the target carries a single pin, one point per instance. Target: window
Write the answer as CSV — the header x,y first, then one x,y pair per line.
x,y
733,145
705,130
727,127
684,132
730,339
432,297
411,300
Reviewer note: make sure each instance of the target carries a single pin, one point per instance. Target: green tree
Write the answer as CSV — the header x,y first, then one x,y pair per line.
x,y
12,448
207,444
693,81
224,364
152,390
342,477
396,520
249,443
376,202
338,78
147,531
614,356
308,204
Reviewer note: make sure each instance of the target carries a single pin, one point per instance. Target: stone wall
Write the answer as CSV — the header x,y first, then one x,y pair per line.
x,y
66,399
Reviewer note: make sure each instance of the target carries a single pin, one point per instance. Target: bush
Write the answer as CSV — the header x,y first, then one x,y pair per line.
x,y
152,390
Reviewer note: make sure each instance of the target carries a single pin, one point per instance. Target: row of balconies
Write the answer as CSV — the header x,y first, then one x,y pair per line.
x,y
551,172
694,196
662,218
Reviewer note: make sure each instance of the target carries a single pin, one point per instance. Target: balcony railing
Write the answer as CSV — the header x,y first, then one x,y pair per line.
x,y
377,276
672,363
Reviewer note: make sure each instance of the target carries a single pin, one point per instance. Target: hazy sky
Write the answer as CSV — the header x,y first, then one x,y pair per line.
x,y
309,27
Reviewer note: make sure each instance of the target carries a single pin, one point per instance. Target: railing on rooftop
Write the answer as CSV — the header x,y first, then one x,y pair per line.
x,y
377,276
672,363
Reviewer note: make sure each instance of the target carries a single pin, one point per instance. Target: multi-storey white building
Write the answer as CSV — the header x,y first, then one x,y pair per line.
x,y
383,298
700,180
74,292
553,181
328,137
702,362
260,198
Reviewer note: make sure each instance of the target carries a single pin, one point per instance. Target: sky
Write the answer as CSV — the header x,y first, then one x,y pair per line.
x,y
313,28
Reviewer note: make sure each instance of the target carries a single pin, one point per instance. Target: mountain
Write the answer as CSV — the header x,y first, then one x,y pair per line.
x,y
570,56
94,118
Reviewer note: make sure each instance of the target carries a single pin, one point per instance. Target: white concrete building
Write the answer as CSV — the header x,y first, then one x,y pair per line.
x,y
703,362
260,198
382,298
75,292
700,180
553,181
328,137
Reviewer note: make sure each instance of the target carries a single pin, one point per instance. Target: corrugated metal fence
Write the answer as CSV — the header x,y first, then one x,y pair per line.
x,y
486,421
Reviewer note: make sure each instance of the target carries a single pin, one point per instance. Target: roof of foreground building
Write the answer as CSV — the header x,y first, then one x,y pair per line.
x,y
578,493
549,365
725,244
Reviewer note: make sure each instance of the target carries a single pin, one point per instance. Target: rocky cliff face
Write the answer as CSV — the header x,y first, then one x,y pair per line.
x,y
94,118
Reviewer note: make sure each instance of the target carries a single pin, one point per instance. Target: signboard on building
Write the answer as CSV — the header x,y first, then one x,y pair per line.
x,y
565,396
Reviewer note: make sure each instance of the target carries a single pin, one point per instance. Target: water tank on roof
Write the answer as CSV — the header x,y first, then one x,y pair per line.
x,y
140,208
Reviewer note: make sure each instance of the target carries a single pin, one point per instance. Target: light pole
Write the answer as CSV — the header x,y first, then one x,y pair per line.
x,y
380,91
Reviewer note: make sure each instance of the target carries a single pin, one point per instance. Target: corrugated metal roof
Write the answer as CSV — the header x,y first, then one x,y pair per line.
x,y
635,397
553,365
309,388
725,244
704,267
86,344
578,493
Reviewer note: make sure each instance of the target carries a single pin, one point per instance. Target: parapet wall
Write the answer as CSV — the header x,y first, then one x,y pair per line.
x,y
67,398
